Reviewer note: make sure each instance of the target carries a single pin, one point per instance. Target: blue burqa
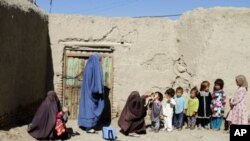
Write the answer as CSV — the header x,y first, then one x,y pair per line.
x,y
92,93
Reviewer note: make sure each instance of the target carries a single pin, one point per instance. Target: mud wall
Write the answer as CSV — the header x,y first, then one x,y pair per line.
x,y
215,44
155,54
24,47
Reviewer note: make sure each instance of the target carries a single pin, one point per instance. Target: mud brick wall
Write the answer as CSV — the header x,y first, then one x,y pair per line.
x,y
24,49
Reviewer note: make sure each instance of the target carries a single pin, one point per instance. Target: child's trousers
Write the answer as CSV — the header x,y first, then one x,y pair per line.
x,y
191,121
216,123
156,124
168,123
178,120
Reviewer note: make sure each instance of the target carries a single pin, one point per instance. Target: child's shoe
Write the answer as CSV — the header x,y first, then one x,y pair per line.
x,y
199,127
206,127
192,127
169,130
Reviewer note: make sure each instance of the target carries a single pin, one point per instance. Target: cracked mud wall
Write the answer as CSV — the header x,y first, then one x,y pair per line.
x,y
215,44
155,54
23,65
144,49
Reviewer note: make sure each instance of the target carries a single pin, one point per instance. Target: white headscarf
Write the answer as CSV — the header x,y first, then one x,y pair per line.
x,y
242,81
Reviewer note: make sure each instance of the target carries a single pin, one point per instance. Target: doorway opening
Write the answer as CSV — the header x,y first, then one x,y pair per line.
x,y
74,60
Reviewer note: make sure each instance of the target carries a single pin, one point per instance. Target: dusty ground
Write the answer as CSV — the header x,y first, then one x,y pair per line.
x,y
20,134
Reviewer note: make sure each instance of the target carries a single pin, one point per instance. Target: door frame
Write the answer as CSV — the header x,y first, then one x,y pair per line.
x,y
85,51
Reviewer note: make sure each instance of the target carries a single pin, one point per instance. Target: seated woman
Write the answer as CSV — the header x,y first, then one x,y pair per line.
x,y
44,122
132,120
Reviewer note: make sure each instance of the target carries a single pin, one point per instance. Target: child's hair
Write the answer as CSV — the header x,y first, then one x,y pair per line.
x,y
195,90
179,89
160,95
204,85
170,92
219,82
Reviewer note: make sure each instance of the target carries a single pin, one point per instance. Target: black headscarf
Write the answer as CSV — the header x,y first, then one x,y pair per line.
x,y
43,123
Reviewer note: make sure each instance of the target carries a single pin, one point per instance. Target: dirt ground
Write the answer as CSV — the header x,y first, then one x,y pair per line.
x,y
20,134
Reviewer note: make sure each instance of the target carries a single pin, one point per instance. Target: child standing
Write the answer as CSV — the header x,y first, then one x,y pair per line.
x,y
218,104
167,110
238,114
204,111
192,108
156,108
180,106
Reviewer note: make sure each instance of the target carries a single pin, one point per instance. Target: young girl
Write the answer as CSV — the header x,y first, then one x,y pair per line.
x,y
217,104
204,111
192,108
238,114
167,109
156,108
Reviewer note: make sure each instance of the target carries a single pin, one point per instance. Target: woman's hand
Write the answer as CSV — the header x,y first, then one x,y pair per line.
x,y
65,109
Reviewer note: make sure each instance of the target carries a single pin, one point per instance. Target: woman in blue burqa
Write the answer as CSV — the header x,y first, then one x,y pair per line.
x,y
92,95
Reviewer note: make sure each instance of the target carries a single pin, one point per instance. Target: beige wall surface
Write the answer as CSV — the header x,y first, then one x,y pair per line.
x,y
155,54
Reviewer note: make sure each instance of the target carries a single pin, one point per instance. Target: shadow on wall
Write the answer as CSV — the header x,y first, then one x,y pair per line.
x,y
26,69
20,117
50,71
106,114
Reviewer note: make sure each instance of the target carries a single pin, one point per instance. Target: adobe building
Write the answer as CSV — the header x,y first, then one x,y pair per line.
x,y
42,51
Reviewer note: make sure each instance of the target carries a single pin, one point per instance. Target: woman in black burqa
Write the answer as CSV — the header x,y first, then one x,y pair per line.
x,y
43,124
132,120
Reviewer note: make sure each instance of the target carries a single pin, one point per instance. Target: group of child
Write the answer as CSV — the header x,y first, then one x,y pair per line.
x,y
200,109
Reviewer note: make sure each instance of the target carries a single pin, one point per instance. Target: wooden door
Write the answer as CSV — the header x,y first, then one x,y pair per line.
x,y
73,71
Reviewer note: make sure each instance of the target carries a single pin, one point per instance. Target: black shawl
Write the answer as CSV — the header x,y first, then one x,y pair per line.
x,y
43,123
132,116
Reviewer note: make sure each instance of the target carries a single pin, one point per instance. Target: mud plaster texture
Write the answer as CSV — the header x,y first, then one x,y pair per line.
x,y
23,60
154,54
150,55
